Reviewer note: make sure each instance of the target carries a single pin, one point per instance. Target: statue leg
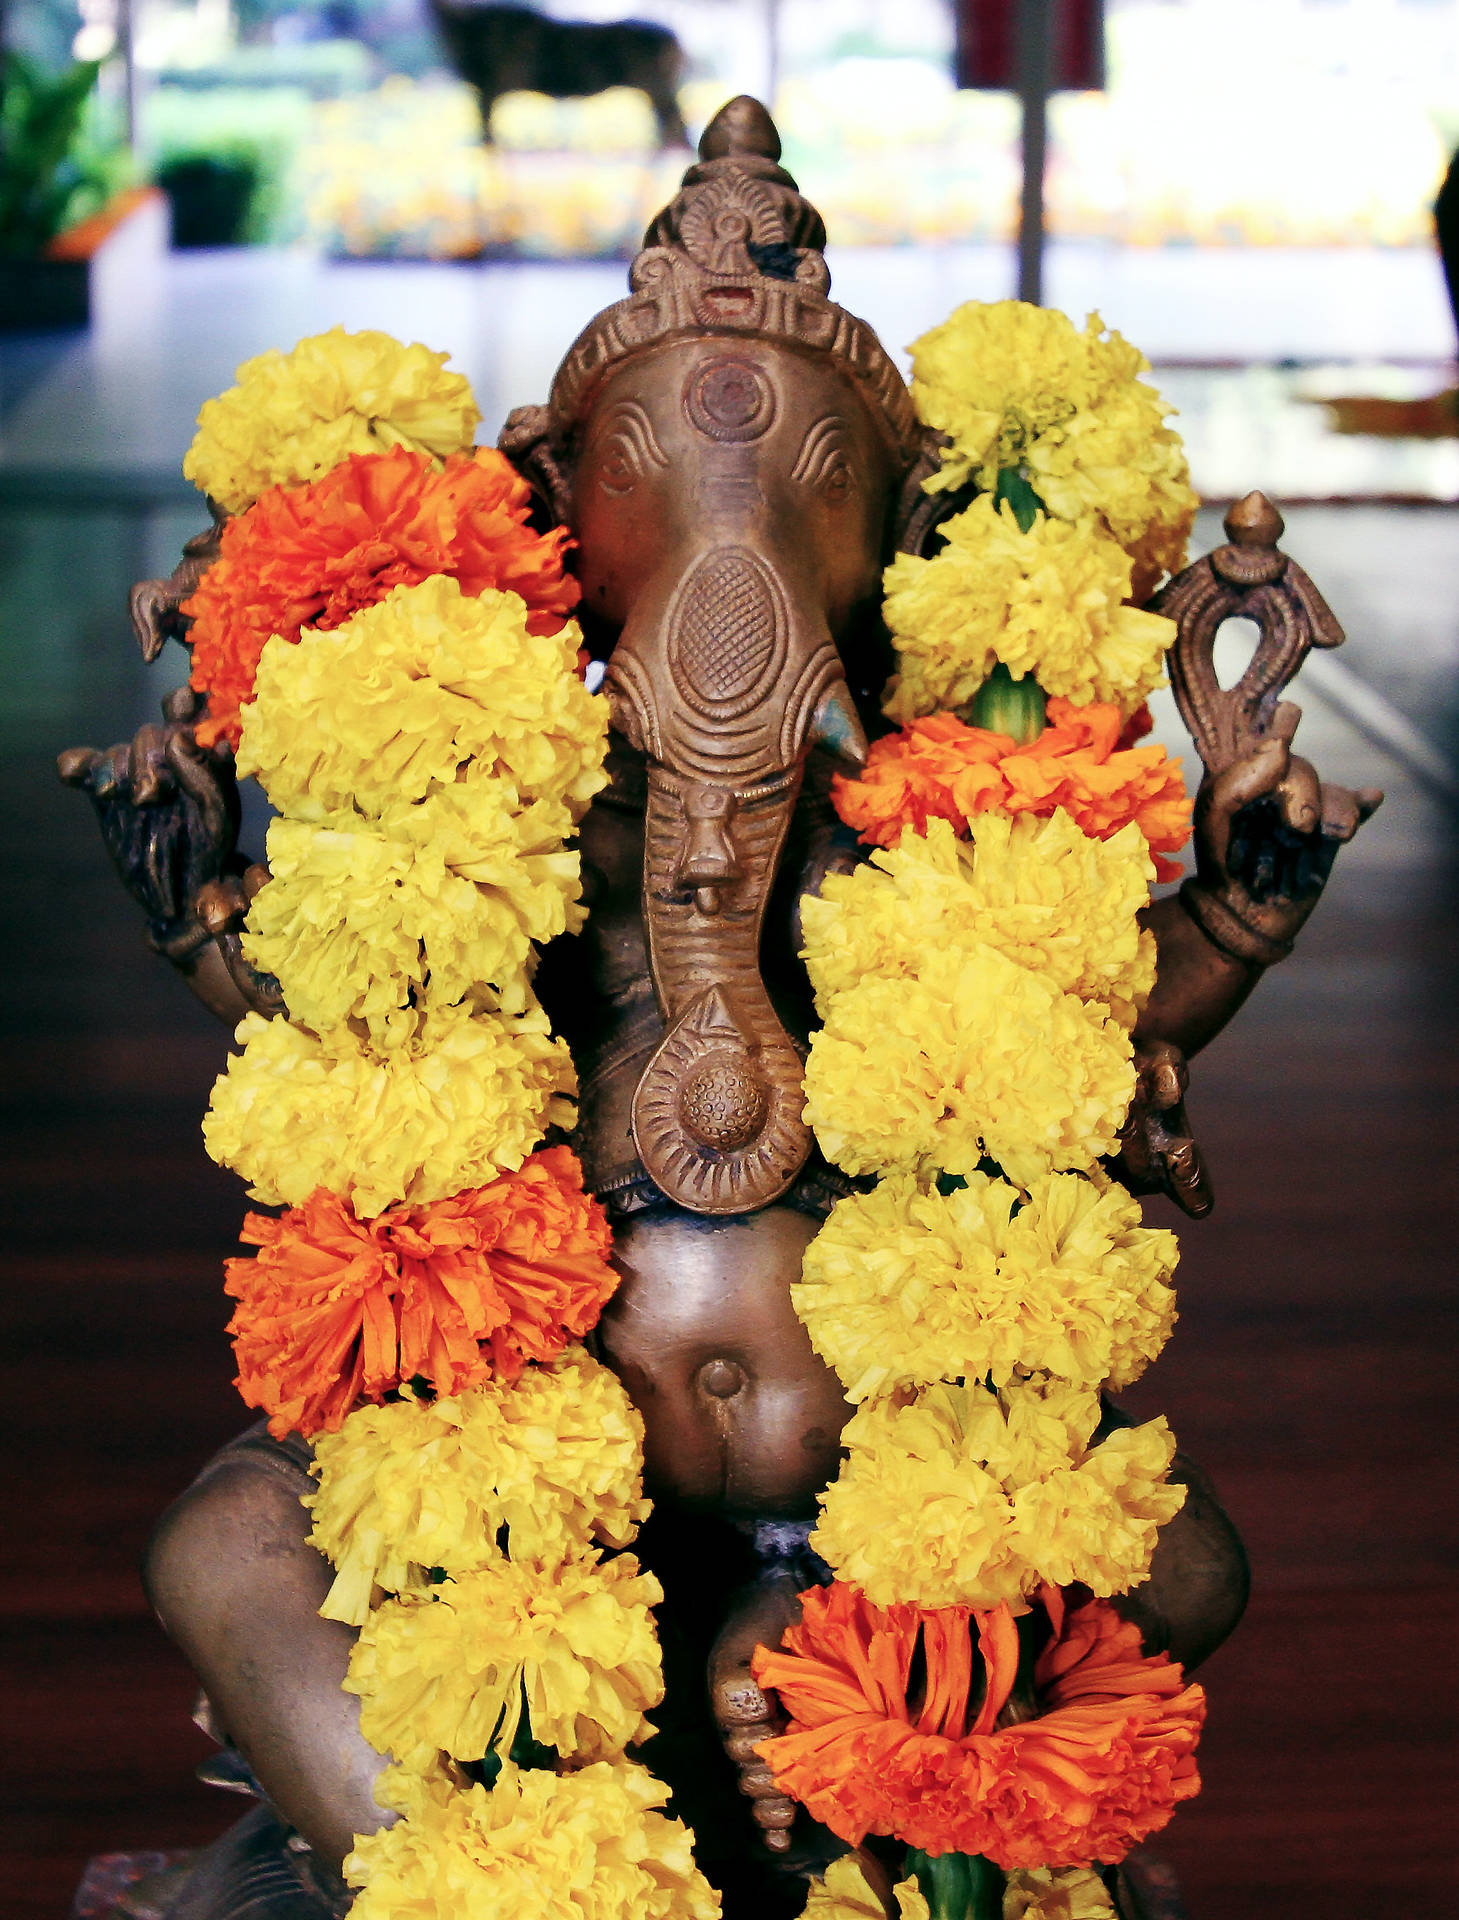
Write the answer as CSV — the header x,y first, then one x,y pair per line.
x,y
237,1585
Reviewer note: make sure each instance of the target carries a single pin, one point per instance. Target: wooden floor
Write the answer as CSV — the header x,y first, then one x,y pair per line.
x,y
1312,1370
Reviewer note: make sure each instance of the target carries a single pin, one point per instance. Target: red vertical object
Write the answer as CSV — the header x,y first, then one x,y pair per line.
x,y
987,51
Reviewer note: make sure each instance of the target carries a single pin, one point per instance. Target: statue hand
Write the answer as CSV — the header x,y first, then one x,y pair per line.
x,y
1266,833
745,1714
1158,1153
168,811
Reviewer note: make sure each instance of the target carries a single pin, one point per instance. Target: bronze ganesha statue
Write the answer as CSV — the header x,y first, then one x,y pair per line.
x,y
737,458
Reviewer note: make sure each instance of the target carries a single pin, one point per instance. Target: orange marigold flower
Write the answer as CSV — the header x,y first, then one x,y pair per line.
x,y
334,1310
1103,1764
311,556
941,769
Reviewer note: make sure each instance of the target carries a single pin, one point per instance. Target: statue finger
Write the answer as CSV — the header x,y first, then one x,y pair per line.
x,y
1165,1076
1369,800
198,780
148,774
110,772
1300,796
1252,777
738,1702
758,1783
221,906
1286,717
1186,1179
75,764
774,1818
741,1745
1340,819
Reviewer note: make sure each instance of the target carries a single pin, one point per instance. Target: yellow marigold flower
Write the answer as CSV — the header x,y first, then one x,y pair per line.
x,y
976,1058
846,1894
966,1497
555,1459
1040,891
371,921
386,708
447,1668
1019,386
589,1845
293,416
466,1099
1049,602
1056,1893
904,1286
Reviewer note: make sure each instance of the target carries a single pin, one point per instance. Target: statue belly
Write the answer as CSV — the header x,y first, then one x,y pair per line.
x,y
740,1414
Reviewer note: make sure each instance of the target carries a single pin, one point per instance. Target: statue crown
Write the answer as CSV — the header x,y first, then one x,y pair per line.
x,y
738,250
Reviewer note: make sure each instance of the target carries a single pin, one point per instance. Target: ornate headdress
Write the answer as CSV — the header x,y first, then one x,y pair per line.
x,y
737,251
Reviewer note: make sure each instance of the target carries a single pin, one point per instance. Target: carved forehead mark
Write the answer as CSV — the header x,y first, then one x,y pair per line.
x,y
729,398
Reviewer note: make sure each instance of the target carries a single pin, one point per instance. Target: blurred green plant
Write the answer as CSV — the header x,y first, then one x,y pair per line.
x,y
54,169
225,157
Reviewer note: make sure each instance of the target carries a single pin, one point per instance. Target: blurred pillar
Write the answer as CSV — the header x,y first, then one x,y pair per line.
x,y
125,20
1034,68
1033,48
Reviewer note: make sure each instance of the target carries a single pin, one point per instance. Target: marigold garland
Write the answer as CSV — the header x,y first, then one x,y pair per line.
x,y
1019,386
966,1497
334,1309
447,1668
846,1894
1038,891
315,555
297,414
977,1059
541,1468
1048,603
467,1099
1056,1893
392,639
376,921
589,1845
1103,1765
389,707
905,1285
939,768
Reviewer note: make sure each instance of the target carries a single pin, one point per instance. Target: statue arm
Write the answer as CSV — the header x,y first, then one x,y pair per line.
x,y
168,812
1266,831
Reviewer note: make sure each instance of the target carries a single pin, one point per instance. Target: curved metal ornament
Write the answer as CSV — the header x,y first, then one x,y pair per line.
x,y
717,1117
1251,579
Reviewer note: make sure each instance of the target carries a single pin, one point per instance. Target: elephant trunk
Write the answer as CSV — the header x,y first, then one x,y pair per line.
x,y
726,678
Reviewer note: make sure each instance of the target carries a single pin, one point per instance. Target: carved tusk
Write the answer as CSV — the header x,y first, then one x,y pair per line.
x,y
836,726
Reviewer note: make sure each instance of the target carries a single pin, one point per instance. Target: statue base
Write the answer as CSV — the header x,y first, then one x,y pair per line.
x,y
250,1873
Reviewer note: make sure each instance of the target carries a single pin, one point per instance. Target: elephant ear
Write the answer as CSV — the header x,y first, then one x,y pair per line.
x,y
529,441
918,514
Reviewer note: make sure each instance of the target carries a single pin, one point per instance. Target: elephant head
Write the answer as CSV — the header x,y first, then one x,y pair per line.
x,y
728,447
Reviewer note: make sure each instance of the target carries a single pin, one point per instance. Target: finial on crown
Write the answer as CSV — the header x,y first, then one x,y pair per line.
x,y
742,126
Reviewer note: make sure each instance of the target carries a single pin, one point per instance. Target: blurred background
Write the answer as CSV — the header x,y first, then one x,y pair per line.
x,y
1246,189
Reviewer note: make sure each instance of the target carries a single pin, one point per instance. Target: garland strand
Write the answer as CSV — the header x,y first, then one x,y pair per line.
x,y
386,643
963,1685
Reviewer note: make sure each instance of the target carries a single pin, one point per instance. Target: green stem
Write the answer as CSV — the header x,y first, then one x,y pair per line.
x,y
1013,489
1005,705
958,1886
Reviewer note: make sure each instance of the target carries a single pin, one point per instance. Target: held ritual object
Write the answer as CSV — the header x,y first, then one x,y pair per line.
x,y
696,1123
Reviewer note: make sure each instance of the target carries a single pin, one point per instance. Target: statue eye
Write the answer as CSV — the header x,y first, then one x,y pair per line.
x,y
617,471
838,480
824,461
629,449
